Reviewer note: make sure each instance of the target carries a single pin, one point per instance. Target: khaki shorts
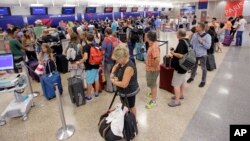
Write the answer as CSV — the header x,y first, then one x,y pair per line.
x,y
178,79
152,78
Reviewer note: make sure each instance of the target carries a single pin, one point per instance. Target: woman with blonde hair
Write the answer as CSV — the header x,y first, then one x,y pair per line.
x,y
45,54
124,77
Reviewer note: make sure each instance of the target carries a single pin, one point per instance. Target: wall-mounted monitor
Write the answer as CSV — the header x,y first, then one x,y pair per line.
x,y
156,9
68,10
5,11
38,10
108,9
134,9
146,9
123,9
91,10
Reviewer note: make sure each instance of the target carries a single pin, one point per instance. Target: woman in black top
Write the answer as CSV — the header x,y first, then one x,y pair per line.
x,y
124,76
178,81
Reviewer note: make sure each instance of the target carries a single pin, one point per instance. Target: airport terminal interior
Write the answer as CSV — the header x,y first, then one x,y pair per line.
x,y
48,91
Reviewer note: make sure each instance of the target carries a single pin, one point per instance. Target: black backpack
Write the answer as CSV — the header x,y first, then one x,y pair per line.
x,y
130,126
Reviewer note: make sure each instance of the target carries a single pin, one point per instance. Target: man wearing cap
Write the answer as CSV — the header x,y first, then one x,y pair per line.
x,y
38,28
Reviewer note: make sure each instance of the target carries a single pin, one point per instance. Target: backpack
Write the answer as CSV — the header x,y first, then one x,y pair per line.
x,y
73,52
95,56
189,59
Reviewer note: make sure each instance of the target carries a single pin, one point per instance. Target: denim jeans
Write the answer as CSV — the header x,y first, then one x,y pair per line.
x,y
239,35
227,32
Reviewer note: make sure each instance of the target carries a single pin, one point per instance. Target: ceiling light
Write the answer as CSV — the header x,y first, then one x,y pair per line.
x,y
36,5
69,5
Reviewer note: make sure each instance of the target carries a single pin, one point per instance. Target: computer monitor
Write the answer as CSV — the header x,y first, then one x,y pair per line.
x,y
7,61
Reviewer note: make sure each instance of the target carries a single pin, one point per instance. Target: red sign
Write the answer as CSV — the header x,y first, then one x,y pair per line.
x,y
234,8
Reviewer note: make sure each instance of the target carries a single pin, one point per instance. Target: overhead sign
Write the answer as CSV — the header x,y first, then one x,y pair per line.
x,y
234,8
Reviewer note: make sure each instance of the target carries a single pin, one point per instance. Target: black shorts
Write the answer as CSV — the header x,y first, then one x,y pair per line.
x,y
131,101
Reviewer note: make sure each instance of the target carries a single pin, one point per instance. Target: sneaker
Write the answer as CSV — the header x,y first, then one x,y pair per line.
x,y
190,80
202,84
149,95
88,98
97,94
172,103
150,105
173,97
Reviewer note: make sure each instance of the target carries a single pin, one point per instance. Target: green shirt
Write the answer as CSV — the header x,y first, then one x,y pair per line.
x,y
38,30
16,47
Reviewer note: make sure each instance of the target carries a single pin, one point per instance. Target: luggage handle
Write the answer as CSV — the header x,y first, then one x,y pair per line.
x,y
113,100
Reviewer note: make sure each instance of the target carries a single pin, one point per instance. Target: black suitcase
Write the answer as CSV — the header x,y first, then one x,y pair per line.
x,y
211,64
76,91
62,63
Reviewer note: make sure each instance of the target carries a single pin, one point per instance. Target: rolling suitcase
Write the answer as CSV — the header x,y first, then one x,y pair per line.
x,y
211,64
166,76
62,63
47,83
76,90
32,67
227,40
140,52
166,73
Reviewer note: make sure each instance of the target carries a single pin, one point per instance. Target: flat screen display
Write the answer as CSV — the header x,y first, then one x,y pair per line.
x,y
68,10
5,11
91,10
108,9
162,9
146,9
134,9
123,9
188,10
7,62
156,9
38,10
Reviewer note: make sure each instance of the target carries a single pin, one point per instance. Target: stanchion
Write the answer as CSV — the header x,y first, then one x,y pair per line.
x,y
66,131
35,94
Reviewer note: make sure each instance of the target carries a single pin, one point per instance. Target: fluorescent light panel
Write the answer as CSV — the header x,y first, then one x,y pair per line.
x,y
36,5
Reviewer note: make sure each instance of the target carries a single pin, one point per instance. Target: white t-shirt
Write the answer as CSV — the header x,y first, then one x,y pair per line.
x,y
242,24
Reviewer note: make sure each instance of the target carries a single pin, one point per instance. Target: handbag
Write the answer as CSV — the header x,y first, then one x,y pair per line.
x,y
189,59
39,70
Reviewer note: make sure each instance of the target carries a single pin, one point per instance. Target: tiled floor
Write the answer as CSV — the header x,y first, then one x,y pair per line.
x,y
159,124
226,100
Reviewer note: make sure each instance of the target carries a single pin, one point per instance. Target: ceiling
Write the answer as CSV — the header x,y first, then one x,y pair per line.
x,y
116,3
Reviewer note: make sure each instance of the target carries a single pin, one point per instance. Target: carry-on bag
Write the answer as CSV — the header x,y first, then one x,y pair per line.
x,y
130,129
62,63
32,64
166,74
227,40
47,83
211,64
104,127
76,90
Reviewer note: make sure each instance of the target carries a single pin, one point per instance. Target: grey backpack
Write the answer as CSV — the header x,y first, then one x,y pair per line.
x,y
189,59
